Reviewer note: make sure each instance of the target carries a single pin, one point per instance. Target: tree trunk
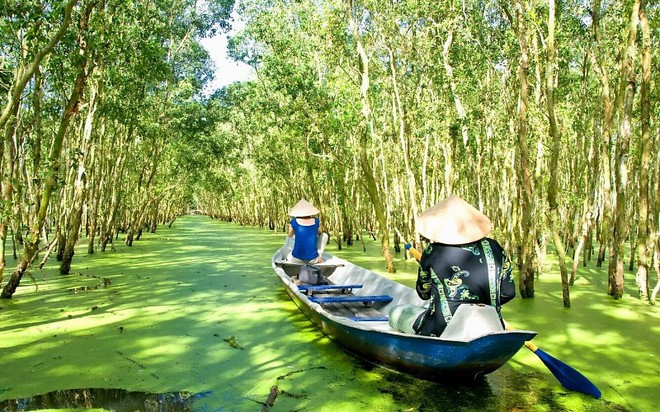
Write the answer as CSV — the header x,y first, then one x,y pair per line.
x,y
603,77
365,162
460,110
588,204
80,187
50,183
654,235
643,246
6,187
32,240
405,148
621,220
372,191
526,206
554,160
108,226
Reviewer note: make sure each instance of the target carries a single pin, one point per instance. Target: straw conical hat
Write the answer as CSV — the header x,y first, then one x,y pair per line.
x,y
453,221
303,208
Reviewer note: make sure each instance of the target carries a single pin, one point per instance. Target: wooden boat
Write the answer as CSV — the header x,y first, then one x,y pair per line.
x,y
352,308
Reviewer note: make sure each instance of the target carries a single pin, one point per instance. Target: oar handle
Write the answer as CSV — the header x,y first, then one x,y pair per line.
x,y
409,247
416,253
531,346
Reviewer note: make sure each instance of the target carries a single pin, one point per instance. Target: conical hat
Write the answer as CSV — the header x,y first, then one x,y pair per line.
x,y
453,221
303,208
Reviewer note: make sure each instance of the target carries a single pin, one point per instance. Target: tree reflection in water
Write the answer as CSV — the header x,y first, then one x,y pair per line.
x,y
119,400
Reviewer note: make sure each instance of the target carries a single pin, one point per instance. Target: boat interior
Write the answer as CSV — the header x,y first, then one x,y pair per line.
x,y
352,292
340,299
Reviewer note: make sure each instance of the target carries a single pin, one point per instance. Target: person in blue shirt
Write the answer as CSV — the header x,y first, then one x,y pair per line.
x,y
309,239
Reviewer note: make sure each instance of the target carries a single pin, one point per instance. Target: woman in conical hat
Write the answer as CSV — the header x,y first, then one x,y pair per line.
x,y
310,241
459,266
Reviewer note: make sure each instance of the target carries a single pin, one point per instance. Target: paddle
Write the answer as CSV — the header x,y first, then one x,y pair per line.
x,y
566,375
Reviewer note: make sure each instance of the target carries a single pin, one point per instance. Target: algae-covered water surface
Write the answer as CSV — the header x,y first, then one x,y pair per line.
x,y
193,315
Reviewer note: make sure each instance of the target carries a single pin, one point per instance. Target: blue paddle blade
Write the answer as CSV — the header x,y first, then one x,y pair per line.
x,y
567,376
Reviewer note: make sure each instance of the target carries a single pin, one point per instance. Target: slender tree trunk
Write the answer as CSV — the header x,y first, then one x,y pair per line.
x,y
365,162
92,210
527,248
643,247
405,144
32,240
460,110
621,219
80,188
372,190
117,169
153,225
60,234
6,187
603,77
554,160
424,182
448,184
654,235
589,200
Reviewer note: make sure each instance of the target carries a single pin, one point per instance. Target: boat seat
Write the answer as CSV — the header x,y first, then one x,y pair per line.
x,y
317,288
352,298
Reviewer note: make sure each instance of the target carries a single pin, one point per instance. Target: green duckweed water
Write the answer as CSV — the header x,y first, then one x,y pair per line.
x,y
196,308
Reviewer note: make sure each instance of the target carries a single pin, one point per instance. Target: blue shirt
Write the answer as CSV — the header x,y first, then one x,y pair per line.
x,y
304,248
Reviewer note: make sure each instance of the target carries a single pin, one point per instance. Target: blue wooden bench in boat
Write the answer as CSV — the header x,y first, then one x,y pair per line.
x,y
345,296
351,298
